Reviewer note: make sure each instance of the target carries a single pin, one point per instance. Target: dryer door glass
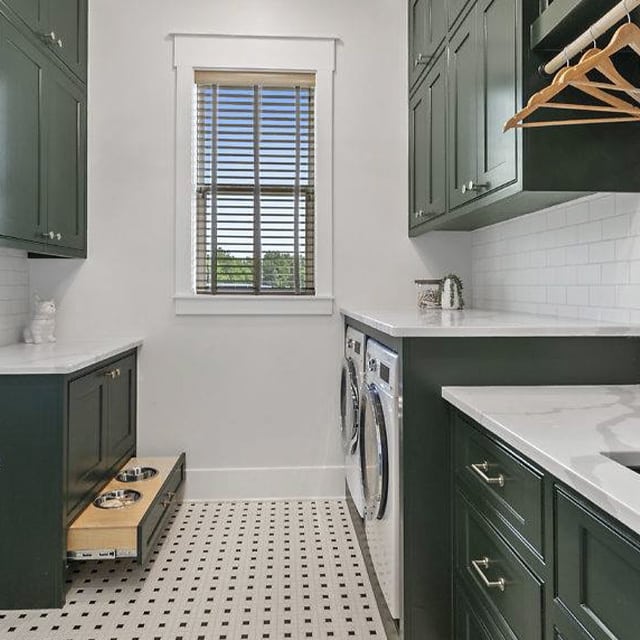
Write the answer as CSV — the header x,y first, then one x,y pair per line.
x,y
348,406
373,453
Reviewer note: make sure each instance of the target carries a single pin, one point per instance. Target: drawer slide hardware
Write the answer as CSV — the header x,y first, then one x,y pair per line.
x,y
101,554
481,564
481,469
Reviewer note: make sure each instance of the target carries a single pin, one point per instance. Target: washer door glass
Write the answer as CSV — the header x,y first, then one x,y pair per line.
x,y
348,406
373,453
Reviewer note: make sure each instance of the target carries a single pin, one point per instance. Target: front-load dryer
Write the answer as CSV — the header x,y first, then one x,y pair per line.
x,y
380,460
351,379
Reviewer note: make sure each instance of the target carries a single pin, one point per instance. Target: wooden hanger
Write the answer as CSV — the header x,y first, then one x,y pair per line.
x,y
594,59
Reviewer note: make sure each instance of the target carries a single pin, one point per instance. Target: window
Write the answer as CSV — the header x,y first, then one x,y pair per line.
x,y
253,229
254,181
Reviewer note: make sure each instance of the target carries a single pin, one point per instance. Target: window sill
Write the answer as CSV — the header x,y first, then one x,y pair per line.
x,y
203,305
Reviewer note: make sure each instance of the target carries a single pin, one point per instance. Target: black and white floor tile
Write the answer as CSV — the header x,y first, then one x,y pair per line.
x,y
223,571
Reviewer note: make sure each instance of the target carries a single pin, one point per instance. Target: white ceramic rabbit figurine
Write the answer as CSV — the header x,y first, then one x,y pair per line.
x,y
43,323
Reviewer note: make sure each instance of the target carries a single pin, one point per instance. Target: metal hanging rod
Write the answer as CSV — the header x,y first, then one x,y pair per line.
x,y
608,20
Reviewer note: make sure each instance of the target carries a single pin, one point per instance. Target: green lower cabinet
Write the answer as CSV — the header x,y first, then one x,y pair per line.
x,y
495,574
75,436
598,572
471,621
587,586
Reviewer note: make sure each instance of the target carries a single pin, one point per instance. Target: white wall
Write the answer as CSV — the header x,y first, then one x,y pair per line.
x,y
580,259
253,401
14,294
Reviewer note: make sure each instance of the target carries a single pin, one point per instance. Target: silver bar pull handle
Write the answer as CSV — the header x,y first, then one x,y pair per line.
x,y
481,469
481,564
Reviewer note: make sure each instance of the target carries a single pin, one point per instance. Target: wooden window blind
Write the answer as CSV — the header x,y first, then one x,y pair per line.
x,y
254,183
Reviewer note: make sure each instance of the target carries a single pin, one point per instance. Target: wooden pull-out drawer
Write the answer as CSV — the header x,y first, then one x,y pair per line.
x,y
131,531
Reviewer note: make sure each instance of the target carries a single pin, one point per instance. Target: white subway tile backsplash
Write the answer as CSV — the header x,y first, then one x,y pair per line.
x,y
581,259
602,251
14,294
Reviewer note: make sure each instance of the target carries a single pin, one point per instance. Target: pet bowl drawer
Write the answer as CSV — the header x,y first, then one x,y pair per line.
x,y
128,529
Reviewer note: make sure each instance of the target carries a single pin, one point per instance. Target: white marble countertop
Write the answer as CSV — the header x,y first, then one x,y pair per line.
x,y
568,431
411,323
60,357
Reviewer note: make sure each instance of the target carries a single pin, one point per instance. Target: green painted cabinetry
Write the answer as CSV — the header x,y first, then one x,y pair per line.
x,y
427,28
43,129
55,454
495,175
578,580
427,179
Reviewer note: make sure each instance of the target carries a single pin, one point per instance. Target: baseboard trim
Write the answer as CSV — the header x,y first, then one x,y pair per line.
x,y
258,483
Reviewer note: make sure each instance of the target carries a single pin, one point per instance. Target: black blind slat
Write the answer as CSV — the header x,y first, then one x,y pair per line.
x,y
255,189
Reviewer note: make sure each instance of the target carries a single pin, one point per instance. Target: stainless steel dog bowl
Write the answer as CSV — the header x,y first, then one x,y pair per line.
x,y
117,499
135,474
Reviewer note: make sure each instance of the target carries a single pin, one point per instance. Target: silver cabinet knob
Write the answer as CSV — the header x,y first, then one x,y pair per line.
x,y
51,235
60,43
419,214
472,186
421,59
58,236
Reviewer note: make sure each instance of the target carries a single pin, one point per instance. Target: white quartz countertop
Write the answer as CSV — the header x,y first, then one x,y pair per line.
x,y
569,431
411,323
60,357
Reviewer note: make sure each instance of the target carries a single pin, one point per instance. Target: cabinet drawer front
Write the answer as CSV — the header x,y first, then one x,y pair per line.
x,y
513,487
153,523
496,575
472,622
597,572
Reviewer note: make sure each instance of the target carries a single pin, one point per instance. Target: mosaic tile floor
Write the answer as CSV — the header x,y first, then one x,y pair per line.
x,y
223,571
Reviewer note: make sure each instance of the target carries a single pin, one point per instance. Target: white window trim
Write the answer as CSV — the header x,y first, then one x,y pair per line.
x,y
253,53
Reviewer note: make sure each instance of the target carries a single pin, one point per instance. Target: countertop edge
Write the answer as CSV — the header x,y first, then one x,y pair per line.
x,y
600,497
75,362
579,330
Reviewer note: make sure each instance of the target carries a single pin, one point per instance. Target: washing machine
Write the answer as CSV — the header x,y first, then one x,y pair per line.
x,y
351,379
380,462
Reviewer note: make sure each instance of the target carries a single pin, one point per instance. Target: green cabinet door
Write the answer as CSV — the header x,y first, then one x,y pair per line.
x,y
497,73
121,431
21,140
427,29
65,162
68,20
427,147
463,111
87,424
32,12
597,572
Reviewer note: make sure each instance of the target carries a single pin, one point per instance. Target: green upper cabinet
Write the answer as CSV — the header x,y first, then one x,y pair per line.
x,y
427,147
43,111
65,162
68,21
463,111
482,95
59,26
21,123
34,13
493,175
427,30
497,74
